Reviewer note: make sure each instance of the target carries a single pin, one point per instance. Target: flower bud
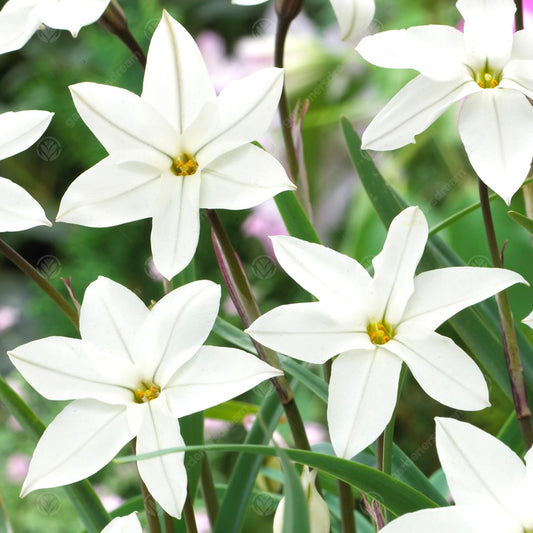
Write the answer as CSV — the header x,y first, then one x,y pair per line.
x,y
288,9
317,508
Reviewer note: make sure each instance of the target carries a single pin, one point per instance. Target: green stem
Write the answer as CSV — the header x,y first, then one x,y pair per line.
x,y
209,492
188,515
41,281
298,178
463,212
510,344
346,502
168,522
241,294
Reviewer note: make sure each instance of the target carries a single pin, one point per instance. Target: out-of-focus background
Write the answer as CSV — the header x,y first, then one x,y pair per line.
x,y
434,173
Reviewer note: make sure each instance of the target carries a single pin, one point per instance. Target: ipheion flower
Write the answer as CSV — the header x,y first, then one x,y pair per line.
x,y
175,149
488,66
133,374
376,324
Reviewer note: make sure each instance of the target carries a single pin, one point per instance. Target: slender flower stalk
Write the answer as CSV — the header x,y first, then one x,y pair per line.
x,y
241,294
510,344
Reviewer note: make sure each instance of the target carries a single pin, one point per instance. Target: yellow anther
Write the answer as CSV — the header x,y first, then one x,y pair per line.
x,y
488,81
379,333
146,393
184,165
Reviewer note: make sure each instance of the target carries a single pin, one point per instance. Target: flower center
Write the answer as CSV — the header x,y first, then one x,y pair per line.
x,y
488,80
379,333
146,392
184,165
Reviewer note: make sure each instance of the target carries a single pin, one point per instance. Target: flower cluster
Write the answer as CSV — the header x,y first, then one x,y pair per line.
x,y
180,147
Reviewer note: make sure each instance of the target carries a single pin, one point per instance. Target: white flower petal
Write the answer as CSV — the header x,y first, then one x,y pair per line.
x,y
353,16
72,15
502,155
122,120
176,328
479,468
246,107
321,271
522,45
413,109
21,129
110,317
442,369
463,519
518,75
18,210
213,376
108,194
242,178
60,368
437,52
82,439
529,320
362,396
174,57
440,294
176,223
488,31
165,476
395,266
18,22
311,332
124,524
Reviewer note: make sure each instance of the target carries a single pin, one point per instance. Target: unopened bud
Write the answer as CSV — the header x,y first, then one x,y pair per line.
x,y
288,9
114,19
319,520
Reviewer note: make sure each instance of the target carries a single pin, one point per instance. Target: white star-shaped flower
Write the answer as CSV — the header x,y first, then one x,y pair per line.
x,y
487,65
19,130
175,149
353,16
377,323
491,486
20,19
133,374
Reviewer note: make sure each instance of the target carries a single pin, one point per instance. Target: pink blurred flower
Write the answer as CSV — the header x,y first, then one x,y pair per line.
x,y
17,467
110,501
316,433
214,428
202,521
264,221
9,316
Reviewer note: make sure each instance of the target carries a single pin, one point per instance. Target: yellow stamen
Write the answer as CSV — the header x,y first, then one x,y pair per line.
x,y
379,333
488,81
146,393
184,165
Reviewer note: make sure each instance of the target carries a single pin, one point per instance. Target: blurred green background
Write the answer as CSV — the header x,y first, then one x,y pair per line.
x,y
434,173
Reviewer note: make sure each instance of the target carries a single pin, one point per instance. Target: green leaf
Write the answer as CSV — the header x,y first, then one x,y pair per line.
x,y
397,496
232,411
295,513
233,335
295,218
192,431
233,506
478,327
5,525
524,221
510,434
300,372
81,494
